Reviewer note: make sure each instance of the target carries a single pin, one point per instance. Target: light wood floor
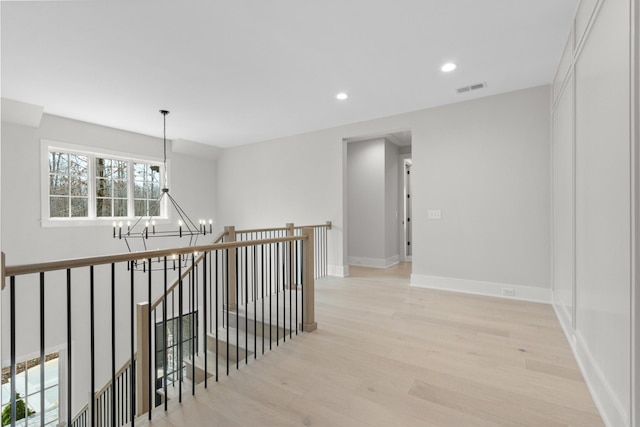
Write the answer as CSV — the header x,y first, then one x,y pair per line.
x,y
386,355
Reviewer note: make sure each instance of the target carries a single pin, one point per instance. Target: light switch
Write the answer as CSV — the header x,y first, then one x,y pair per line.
x,y
434,214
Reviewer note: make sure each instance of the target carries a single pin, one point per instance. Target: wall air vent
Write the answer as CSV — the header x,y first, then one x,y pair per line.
x,y
471,87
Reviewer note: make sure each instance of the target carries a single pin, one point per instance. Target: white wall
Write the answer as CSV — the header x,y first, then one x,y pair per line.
x,y
25,241
485,163
593,203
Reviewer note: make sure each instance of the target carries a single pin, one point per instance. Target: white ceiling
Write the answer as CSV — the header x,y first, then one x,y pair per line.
x,y
234,72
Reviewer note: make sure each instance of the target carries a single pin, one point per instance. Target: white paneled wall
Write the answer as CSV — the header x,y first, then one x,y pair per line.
x,y
592,199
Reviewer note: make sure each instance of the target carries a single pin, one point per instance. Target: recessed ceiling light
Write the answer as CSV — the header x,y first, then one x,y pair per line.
x,y
342,96
449,66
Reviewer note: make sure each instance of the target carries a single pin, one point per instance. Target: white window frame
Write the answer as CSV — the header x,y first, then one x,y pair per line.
x,y
92,152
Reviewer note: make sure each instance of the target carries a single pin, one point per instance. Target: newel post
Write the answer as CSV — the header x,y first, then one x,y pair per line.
x,y
308,285
142,358
230,231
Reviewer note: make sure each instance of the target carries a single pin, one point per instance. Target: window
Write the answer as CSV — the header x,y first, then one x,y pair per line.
x,y
85,185
30,390
146,183
111,187
68,185
175,362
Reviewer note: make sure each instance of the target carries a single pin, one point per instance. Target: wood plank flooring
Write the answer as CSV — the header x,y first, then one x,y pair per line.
x,y
386,354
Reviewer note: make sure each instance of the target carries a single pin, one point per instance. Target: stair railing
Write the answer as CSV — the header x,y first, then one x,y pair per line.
x,y
74,279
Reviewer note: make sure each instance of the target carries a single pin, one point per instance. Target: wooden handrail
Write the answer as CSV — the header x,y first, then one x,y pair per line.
x,y
124,367
19,270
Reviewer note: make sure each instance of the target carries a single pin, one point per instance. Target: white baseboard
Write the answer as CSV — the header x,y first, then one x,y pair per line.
x,y
610,408
338,270
524,293
374,262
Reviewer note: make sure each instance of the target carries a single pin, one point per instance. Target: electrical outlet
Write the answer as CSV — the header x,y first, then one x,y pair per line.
x,y
434,214
508,292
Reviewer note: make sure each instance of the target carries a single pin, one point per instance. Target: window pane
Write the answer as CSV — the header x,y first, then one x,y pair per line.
x,y
79,207
58,185
119,207
51,398
119,169
138,190
78,165
33,375
103,168
120,188
59,207
58,162
103,207
154,208
103,188
79,186
140,208
139,171
155,191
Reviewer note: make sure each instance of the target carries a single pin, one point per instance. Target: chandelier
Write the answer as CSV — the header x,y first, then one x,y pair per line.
x,y
145,230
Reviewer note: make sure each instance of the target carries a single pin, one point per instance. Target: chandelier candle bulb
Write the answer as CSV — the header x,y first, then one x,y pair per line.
x,y
114,229
120,231
153,224
210,226
128,227
180,227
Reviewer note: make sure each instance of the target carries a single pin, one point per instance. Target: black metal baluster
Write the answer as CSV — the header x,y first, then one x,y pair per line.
x,y
12,325
262,292
277,265
180,337
193,325
42,332
255,307
302,284
284,291
152,382
291,280
93,339
164,335
216,322
133,369
270,292
113,341
204,314
297,246
246,306
69,395
237,313
227,307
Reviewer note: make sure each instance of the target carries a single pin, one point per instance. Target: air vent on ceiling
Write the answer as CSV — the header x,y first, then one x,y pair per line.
x,y
471,87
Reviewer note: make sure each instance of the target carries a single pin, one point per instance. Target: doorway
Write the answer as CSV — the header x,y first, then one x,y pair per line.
x,y
375,199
